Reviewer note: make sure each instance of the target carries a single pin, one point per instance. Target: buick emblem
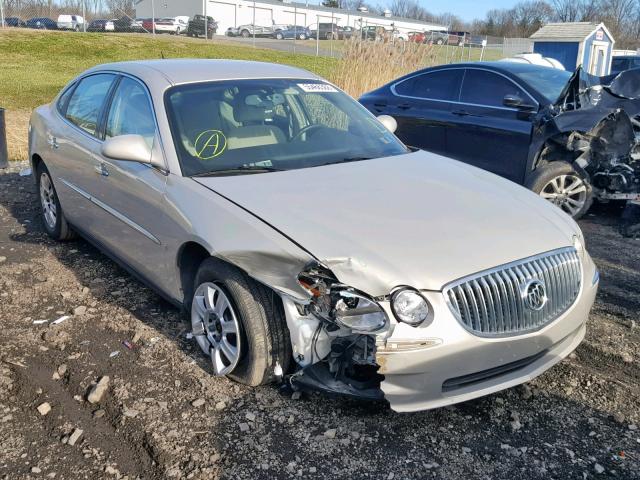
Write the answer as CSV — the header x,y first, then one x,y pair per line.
x,y
534,295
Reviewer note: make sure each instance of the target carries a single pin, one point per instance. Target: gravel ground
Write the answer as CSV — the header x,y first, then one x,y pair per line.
x,y
162,414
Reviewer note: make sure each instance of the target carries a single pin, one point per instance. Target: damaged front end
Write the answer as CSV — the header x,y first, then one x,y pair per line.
x,y
595,125
334,336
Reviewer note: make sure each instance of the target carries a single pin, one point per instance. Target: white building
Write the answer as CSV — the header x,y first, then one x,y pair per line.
x,y
232,13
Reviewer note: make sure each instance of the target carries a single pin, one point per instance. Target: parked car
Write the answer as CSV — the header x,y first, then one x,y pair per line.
x,y
438,38
247,31
148,24
70,22
196,26
347,32
398,35
328,31
41,23
101,25
128,25
459,38
371,292
372,32
626,62
292,31
417,37
538,126
14,22
172,25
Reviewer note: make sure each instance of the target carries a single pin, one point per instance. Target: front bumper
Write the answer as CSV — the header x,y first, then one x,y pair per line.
x,y
443,363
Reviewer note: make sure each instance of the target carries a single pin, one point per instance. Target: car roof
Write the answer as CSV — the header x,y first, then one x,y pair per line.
x,y
511,67
179,71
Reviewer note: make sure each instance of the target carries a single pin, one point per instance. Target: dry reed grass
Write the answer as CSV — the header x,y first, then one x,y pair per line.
x,y
367,65
17,133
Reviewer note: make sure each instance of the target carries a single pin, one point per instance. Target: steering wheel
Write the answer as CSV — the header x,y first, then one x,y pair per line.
x,y
306,129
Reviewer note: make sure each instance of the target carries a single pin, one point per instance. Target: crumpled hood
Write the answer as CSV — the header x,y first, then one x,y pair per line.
x,y
417,219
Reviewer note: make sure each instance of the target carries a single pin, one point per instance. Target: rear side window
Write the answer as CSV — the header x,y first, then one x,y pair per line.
x,y
481,87
87,100
620,64
438,85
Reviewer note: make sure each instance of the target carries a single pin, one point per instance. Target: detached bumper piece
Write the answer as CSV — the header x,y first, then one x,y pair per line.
x,y
318,377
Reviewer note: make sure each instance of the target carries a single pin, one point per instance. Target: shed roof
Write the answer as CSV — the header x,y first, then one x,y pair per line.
x,y
567,30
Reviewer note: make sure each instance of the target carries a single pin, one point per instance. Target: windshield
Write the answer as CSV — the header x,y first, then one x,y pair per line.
x,y
271,124
548,81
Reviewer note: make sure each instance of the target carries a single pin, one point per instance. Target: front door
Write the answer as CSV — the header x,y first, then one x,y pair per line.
x,y
133,193
421,106
485,132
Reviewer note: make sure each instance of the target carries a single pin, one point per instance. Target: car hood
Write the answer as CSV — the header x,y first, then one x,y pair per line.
x,y
417,219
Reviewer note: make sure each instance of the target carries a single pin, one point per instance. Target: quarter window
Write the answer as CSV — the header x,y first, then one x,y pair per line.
x,y
486,88
86,102
438,85
131,112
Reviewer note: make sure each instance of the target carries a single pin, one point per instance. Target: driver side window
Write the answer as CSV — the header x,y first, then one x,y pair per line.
x,y
130,112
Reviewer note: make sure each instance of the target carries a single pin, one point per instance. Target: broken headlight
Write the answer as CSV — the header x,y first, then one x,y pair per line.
x,y
409,306
339,303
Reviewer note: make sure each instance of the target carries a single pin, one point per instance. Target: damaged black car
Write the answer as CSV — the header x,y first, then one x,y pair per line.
x,y
570,137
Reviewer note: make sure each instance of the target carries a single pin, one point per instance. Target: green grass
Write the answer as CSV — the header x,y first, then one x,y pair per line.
x,y
34,66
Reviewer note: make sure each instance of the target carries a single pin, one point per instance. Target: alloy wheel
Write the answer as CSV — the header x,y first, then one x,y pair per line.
x,y
216,328
568,192
48,201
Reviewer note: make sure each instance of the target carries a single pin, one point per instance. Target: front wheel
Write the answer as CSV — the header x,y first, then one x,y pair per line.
x,y
54,221
240,324
561,184
279,36
245,33
302,36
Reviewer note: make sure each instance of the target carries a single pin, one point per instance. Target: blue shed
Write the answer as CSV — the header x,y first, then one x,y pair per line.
x,y
576,43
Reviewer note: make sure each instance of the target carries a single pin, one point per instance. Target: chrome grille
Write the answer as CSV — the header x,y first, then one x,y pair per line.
x,y
494,302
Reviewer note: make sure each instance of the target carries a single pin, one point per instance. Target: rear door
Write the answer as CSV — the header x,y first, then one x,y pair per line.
x,y
485,132
422,107
76,143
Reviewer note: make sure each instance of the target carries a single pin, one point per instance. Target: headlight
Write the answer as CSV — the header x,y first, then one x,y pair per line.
x,y
409,306
357,312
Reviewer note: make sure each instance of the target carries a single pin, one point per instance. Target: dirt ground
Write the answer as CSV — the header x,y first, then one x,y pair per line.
x,y
164,416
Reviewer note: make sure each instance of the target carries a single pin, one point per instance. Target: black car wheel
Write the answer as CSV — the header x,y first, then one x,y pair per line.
x,y
439,41
240,323
245,33
302,36
561,184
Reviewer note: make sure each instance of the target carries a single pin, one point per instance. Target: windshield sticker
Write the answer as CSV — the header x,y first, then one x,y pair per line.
x,y
209,144
317,87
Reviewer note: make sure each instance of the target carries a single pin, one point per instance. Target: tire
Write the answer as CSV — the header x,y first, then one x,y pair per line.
x,y
263,340
279,36
555,181
245,33
56,227
439,41
302,36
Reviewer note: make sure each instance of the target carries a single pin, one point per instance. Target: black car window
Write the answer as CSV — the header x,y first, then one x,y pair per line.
x,y
438,85
619,64
481,87
86,101
130,112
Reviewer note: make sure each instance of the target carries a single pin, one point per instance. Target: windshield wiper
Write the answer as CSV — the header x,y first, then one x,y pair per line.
x,y
239,170
347,160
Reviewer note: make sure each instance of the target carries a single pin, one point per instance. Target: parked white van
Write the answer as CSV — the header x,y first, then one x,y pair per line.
x,y
70,22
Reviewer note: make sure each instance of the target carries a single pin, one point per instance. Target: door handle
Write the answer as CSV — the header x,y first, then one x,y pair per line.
x,y
404,106
461,113
53,142
102,170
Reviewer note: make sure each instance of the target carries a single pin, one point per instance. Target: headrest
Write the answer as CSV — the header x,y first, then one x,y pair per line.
x,y
252,108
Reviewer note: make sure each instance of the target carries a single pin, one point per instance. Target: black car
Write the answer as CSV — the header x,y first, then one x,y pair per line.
x,y
126,24
329,31
561,134
14,22
41,23
626,62
196,26
98,25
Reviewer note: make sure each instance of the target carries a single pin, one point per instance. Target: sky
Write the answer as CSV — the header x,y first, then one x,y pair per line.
x,y
465,9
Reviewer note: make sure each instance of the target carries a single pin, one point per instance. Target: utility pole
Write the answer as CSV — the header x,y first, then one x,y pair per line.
x,y
153,17
2,14
206,25
84,16
253,27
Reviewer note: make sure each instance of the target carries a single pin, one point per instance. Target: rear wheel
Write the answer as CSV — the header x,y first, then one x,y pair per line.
x,y
561,184
245,33
54,221
240,324
302,36
279,36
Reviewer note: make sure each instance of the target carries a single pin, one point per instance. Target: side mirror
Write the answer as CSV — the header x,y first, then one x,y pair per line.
x,y
389,122
515,101
132,148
